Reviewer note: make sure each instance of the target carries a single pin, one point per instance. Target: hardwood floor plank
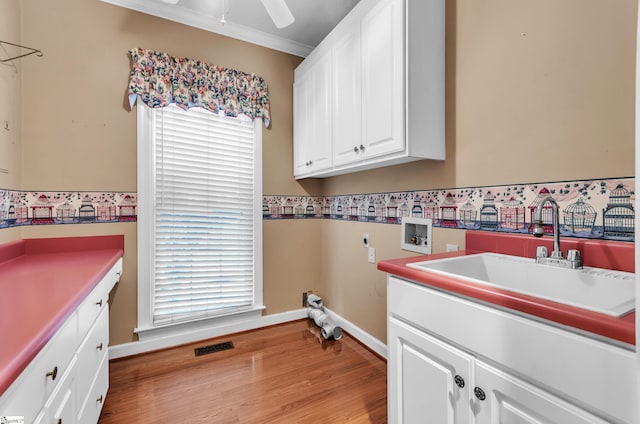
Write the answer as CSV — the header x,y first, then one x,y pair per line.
x,y
281,374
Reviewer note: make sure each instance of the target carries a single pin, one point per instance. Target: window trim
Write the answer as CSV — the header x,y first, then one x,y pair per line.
x,y
146,228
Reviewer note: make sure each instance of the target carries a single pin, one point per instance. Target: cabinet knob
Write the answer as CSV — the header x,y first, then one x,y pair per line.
x,y
99,347
355,149
99,303
459,381
53,373
362,147
479,393
99,400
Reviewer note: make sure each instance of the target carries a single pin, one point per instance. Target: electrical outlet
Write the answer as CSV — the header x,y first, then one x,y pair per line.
x,y
452,247
371,256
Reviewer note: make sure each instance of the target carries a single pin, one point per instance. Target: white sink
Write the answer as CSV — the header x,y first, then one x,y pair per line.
x,y
599,290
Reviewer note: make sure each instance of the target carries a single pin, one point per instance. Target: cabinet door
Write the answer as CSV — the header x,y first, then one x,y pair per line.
x,y
91,354
312,117
509,400
90,411
301,126
383,79
61,405
347,96
428,379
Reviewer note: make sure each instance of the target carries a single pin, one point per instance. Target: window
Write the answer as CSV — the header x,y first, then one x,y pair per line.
x,y
200,217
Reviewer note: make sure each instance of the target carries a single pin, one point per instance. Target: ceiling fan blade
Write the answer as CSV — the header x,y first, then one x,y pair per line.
x,y
279,12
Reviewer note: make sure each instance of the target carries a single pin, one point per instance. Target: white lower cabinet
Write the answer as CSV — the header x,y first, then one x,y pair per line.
x,y
67,381
428,379
455,361
501,398
95,398
61,406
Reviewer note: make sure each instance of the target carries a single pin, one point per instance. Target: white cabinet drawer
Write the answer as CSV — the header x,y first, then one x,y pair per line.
x,y
97,299
28,393
77,357
61,406
90,411
92,354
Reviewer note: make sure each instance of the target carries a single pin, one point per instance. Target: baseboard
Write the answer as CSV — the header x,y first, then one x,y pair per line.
x,y
358,333
139,347
149,345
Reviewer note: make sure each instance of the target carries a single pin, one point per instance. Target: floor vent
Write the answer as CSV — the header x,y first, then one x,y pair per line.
x,y
218,347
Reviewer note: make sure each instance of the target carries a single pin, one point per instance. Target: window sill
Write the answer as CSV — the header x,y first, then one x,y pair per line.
x,y
200,326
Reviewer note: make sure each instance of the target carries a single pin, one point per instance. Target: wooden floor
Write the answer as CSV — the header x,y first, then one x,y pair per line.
x,y
281,374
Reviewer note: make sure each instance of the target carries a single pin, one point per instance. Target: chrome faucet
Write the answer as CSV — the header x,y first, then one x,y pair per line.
x,y
573,261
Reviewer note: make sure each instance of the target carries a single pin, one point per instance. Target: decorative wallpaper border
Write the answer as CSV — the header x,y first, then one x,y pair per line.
x,y
19,208
596,209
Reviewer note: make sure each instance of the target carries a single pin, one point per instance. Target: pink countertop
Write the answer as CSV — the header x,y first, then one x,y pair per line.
x,y
604,254
42,281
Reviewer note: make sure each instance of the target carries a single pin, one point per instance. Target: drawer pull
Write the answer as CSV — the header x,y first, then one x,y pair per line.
x,y
53,373
99,303
99,400
99,347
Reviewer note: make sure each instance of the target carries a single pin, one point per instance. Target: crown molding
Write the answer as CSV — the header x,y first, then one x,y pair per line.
x,y
230,29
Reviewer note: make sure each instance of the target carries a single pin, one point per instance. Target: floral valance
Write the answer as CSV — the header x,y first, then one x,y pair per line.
x,y
159,79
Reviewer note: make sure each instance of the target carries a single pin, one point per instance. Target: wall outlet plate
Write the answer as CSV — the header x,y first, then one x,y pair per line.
x,y
416,235
371,255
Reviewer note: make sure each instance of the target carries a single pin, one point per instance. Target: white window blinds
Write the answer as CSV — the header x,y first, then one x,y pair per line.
x,y
204,215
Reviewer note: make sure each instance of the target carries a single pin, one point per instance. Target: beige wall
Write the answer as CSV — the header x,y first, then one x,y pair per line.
x,y
10,101
10,106
536,91
78,132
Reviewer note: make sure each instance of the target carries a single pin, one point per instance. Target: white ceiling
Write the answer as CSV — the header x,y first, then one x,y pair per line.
x,y
247,20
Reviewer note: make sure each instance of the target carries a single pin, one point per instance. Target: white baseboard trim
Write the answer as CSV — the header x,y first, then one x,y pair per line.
x,y
363,337
149,345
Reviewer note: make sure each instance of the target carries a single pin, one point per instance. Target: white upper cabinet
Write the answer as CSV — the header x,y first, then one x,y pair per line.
x,y
382,80
386,90
312,117
347,94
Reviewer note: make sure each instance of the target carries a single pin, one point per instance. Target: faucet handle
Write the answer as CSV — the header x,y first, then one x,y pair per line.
x,y
542,252
574,255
